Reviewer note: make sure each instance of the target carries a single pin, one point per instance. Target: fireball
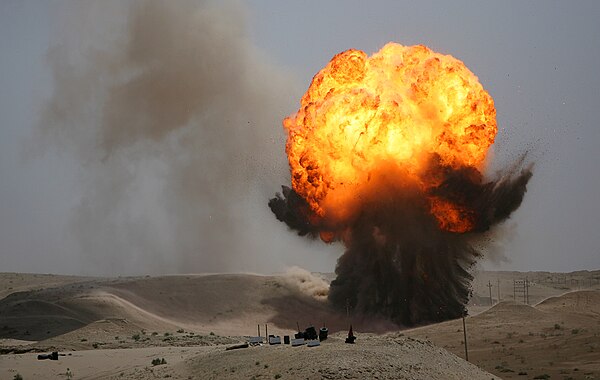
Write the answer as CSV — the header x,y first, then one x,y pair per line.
x,y
387,156
393,111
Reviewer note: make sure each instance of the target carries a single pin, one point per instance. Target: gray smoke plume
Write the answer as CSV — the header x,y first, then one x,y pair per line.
x,y
173,115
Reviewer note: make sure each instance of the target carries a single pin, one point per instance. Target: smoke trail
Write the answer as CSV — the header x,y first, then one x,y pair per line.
x,y
170,111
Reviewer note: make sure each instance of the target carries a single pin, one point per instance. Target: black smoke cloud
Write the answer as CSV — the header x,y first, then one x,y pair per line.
x,y
171,113
398,263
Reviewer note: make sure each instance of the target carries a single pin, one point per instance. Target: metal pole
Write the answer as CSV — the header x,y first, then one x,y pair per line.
x,y
259,329
465,335
490,287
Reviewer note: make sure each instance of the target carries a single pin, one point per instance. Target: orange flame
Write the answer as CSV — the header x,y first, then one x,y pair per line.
x,y
398,107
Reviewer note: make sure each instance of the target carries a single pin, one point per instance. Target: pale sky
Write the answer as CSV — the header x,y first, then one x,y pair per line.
x,y
539,60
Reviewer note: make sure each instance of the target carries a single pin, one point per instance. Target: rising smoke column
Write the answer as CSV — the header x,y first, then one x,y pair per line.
x,y
386,155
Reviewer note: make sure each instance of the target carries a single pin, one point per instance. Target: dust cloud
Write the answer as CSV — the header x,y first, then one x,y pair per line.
x,y
307,283
174,118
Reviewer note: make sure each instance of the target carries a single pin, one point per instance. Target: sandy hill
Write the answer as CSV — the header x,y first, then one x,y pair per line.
x,y
391,356
231,304
558,337
18,282
372,357
579,302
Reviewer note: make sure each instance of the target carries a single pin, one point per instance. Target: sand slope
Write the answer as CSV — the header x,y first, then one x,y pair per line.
x,y
120,324
66,315
578,302
17,282
372,357
381,357
559,337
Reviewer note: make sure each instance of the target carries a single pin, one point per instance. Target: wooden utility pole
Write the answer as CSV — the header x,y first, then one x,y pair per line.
x,y
489,285
465,336
498,289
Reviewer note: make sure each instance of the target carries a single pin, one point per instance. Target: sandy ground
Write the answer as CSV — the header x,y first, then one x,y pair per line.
x,y
115,327
558,336
372,357
101,364
389,356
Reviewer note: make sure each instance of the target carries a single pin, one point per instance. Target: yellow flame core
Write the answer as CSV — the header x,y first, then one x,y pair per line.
x,y
399,106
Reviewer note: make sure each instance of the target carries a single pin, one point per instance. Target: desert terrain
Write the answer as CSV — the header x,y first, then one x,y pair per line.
x,y
556,336
116,328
